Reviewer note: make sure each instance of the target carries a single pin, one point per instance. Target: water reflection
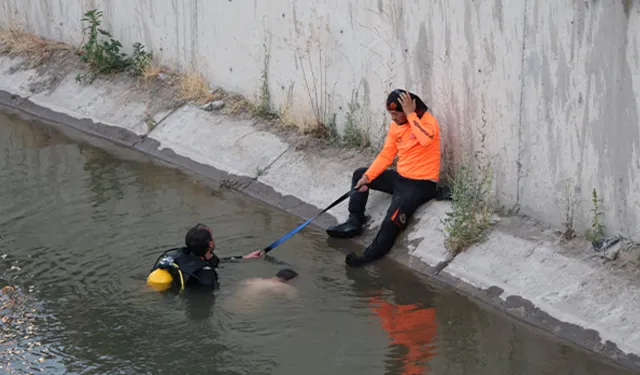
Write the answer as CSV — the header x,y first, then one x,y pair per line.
x,y
104,179
409,322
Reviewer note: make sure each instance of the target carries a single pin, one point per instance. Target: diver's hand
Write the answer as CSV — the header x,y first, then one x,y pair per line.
x,y
254,255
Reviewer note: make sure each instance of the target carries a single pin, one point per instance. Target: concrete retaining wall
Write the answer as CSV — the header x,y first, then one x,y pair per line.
x,y
546,88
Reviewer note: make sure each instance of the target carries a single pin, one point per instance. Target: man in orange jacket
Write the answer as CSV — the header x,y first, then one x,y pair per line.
x,y
414,137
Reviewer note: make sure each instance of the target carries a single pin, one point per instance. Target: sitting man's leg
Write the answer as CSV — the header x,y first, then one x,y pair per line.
x,y
408,196
358,201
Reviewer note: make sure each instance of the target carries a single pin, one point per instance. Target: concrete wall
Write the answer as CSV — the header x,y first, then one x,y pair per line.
x,y
545,88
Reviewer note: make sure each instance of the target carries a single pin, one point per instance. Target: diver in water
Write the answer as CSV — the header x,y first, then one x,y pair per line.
x,y
193,264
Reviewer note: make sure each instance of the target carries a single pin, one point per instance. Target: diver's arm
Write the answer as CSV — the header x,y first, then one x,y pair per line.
x,y
234,257
253,255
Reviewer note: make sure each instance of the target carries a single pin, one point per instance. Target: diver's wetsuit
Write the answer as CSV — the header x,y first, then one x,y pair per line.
x,y
195,270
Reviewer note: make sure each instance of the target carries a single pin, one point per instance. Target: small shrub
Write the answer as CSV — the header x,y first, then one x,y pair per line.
x,y
596,233
471,211
354,136
263,108
141,60
103,57
106,56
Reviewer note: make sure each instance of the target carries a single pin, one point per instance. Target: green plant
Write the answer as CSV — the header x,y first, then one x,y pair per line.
x,y
263,108
103,57
331,128
140,60
570,204
106,56
354,136
150,122
596,233
469,218
261,171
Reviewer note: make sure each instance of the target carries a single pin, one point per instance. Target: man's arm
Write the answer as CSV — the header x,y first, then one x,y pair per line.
x,y
424,128
233,257
253,255
384,158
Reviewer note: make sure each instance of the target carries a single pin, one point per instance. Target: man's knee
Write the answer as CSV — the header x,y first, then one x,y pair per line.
x,y
358,173
400,212
399,219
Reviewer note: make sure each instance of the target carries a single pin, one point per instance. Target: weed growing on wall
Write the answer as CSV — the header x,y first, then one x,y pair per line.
x,y
596,233
103,54
469,218
263,108
141,60
354,136
570,205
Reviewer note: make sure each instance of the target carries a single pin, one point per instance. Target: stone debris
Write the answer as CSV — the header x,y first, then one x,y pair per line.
x,y
215,105
618,247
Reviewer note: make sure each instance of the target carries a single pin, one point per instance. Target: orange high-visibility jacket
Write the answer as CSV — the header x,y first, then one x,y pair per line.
x,y
417,145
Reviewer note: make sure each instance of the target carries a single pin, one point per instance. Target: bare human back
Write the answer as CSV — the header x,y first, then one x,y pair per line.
x,y
255,292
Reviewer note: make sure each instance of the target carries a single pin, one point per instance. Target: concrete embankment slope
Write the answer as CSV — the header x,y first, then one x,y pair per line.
x,y
522,268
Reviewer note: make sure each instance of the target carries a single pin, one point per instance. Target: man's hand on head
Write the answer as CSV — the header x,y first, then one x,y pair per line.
x,y
408,104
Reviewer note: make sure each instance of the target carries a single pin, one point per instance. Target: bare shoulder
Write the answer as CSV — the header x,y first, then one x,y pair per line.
x,y
290,290
251,281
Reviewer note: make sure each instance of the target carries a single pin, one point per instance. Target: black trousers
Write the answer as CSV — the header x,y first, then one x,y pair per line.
x,y
407,196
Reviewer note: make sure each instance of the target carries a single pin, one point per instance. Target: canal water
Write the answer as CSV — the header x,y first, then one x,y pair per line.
x,y
80,227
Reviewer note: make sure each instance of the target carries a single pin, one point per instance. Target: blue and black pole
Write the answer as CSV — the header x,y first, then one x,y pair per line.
x,y
297,229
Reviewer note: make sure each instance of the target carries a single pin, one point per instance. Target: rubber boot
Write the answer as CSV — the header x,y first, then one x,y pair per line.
x,y
354,260
349,229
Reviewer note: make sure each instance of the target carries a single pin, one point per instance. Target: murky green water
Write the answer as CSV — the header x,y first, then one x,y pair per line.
x,y
80,229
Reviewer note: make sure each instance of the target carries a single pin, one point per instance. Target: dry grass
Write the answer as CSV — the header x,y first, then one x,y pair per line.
x,y
15,41
152,72
300,124
194,88
235,104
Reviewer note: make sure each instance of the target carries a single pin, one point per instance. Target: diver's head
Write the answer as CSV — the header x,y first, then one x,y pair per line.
x,y
199,241
286,274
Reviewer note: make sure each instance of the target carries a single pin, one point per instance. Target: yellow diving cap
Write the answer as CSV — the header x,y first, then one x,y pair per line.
x,y
160,280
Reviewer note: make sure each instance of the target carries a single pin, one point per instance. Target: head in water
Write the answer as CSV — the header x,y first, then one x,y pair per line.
x,y
199,241
395,108
286,274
